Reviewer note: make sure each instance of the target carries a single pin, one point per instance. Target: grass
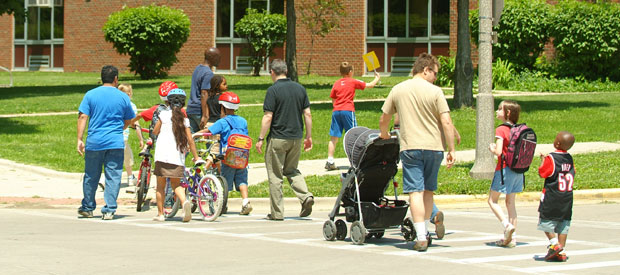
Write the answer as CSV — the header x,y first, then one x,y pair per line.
x,y
588,167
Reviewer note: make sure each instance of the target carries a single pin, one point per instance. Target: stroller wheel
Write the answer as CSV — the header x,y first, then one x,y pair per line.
x,y
329,230
341,230
408,230
358,233
379,234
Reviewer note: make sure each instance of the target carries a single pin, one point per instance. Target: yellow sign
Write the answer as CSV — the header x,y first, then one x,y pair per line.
x,y
371,60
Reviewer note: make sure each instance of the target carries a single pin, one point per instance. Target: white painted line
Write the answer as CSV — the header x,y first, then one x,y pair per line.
x,y
432,250
532,256
555,268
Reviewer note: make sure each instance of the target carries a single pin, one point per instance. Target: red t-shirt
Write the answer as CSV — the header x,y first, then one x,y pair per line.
x,y
147,114
547,167
343,93
502,132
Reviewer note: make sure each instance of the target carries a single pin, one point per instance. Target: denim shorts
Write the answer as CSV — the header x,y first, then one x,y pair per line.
x,y
558,227
342,121
237,176
420,169
513,182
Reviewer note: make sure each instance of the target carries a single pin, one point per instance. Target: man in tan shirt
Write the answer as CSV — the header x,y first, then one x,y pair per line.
x,y
424,115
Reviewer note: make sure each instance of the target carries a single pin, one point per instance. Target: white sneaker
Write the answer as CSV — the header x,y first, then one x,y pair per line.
x,y
132,180
187,210
508,231
159,218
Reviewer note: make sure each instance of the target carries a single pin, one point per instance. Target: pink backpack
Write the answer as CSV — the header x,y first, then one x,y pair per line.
x,y
521,148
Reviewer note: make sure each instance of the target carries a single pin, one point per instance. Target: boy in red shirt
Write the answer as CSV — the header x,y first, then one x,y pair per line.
x,y
343,115
556,201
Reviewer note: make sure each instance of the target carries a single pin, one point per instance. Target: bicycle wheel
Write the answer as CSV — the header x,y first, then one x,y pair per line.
x,y
143,186
171,203
210,197
225,189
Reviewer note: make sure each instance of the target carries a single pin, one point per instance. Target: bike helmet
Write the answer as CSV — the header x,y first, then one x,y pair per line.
x,y
176,97
230,100
166,87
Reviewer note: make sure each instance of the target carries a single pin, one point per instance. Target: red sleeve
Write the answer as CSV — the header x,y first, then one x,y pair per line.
x,y
360,85
546,168
147,114
333,92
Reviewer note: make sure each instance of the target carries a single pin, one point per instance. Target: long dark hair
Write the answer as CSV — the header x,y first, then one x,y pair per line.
x,y
216,82
178,125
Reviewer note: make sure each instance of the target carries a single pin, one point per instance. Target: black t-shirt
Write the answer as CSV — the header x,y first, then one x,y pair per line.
x,y
287,100
213,103
557,203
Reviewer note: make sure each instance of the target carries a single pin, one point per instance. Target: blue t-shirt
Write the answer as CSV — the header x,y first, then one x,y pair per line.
x,y
107,108
201,80
223,128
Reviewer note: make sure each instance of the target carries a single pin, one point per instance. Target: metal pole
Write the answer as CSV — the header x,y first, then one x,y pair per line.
x,y
484,164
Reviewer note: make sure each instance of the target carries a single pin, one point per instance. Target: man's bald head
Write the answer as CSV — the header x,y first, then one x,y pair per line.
x,y
212,56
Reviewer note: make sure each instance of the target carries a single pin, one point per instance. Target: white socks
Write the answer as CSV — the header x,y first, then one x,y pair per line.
x,y
330,160
245,202
554,241
420,229
505,223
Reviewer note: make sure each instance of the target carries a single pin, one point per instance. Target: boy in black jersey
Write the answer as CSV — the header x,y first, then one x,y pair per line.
x,y
556,201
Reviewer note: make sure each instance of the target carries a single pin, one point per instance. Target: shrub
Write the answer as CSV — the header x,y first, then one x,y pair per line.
x,y
264,32
521,32
150,35
502,73
587,39
445,76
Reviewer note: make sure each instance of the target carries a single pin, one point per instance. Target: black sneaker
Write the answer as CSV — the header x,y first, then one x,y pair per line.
x,y
306,207
85,214
330,166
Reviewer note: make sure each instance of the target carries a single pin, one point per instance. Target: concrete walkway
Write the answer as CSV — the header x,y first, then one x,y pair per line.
x,y
28,181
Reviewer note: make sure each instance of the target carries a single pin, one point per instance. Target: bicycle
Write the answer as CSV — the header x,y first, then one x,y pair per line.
x,y
204,190
144,174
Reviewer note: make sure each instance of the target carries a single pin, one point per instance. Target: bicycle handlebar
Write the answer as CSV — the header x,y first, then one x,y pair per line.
x,y
144,130
202,134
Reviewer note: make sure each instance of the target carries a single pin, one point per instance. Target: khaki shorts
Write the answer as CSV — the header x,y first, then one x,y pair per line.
x,y
128,157
168,170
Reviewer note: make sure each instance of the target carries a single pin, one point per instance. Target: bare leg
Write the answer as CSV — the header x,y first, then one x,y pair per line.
x,y
161,186
428,204
243,189
511,208
495,208
416,200
175,184
331,147
562,239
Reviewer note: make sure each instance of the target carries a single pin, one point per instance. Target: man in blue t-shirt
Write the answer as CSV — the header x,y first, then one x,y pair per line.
x,y
225,127
107,111
201,82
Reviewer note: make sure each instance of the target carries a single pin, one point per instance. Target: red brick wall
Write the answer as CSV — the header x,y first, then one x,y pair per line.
x,y
346,43
86,50
6,41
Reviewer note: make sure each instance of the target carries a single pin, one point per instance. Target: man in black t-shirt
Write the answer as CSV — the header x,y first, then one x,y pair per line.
x,y
286,102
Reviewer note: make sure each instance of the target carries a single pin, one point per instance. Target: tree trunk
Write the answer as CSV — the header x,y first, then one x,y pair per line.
x,y
291,41
464,72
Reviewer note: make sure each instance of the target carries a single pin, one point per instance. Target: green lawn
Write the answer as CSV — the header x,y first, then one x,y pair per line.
x,y
50,141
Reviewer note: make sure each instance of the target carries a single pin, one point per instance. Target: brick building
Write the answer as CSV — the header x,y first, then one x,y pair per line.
x,y
67,35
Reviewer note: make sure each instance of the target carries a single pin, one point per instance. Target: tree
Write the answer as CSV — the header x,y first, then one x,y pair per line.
x,y
264,32
464,71
321,17
150,35
291,41
14,7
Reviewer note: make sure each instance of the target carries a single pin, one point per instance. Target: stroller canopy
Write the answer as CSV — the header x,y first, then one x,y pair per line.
x,y
357,141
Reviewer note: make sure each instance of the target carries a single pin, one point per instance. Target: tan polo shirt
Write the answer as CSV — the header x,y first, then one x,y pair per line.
x,y
419,105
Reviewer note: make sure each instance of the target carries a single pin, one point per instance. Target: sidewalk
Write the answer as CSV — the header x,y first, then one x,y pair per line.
x,y
28,181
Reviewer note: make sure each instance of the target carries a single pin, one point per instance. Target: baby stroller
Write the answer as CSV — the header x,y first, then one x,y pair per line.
x,y
374,163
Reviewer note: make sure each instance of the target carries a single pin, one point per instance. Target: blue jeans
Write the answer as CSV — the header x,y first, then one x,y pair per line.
x,y
236,177
112,161
194,122
420,169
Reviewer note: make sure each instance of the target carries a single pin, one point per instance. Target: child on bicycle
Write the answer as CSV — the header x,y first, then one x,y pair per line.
x,y
224,127
214,112
173,141
556,201
131,179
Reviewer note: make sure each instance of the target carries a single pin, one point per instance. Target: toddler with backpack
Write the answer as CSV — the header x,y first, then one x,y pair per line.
x,y
235,144
514,147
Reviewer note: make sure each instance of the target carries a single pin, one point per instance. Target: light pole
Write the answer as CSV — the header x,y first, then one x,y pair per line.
x,y
484,164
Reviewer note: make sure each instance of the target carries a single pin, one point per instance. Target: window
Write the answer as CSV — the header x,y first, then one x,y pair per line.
x,y
224,24
39,36
397,18
441,17
418,18
375,18
408,18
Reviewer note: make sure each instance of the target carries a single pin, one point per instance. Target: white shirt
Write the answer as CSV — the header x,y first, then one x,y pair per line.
x,y
166,147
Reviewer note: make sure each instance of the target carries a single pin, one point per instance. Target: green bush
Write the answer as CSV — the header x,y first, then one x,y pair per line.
x,y
264,32
445,76
502,73
521,32
587,39
150,35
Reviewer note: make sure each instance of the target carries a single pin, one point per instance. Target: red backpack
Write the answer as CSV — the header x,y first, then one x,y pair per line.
x,y
521,147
